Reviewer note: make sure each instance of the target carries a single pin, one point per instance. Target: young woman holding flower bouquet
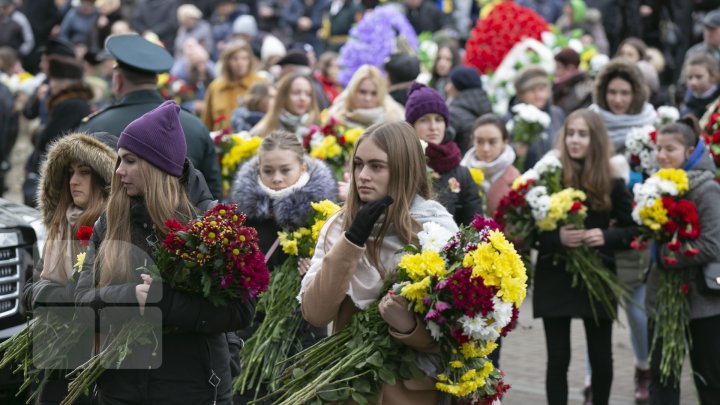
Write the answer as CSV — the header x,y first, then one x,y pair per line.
x,y
74,187
365,101
294,108
584,151
153,182
386,208
678,147
452,183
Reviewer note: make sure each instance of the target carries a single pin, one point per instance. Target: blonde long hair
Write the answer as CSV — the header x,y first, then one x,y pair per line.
x,y
593,175
164,196
270,121
408,178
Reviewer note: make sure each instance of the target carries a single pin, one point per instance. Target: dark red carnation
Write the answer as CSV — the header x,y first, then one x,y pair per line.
x,y
577,206
83,235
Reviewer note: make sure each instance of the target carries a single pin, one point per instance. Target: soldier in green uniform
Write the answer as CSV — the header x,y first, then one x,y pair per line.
x,y
134,85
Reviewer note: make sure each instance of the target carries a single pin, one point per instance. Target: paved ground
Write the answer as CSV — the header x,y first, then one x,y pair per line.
x,y
523,355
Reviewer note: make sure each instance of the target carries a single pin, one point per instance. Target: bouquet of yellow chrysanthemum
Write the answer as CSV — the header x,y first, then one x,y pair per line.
x,y
332,143
466,288
233,150
280,328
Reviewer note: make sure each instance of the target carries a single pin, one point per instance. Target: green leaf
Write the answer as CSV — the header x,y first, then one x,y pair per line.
x,y
386,376
375,359
361,385
329,396
359,398
206,283
298,372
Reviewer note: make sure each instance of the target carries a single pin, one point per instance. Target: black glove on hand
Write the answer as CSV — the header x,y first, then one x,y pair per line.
x,y
365,219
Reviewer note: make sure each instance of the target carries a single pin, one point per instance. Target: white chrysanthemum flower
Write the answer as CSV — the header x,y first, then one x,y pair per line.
x,y
477,328
502,313
667,114
547,164
434,330
433,236
531,174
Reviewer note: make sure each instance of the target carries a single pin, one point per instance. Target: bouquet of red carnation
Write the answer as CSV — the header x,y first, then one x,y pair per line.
x,y
711,135
214,256
173,88
494,35
665,217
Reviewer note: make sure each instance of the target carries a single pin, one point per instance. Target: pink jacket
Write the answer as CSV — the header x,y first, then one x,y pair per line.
x,y
500,188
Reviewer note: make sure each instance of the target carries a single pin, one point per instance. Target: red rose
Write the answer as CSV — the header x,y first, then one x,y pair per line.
x,y
83,235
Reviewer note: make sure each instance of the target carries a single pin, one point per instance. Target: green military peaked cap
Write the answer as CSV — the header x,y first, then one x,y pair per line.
x,y
134,52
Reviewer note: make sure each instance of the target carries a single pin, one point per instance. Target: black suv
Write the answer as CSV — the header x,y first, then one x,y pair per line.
x,y
22,237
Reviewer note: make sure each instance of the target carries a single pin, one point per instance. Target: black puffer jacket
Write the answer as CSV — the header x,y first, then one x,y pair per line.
x,y
194,348
465,108
458,193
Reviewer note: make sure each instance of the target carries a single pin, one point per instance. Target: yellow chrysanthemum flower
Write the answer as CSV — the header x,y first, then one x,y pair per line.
x,y
352,135
315,231
79,261
162,79
325,207
654,216
677,176
415,292
328,149
474,350
420,265
477,175
290,247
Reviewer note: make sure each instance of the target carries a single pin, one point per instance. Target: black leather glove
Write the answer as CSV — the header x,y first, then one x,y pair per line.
x,y
365,219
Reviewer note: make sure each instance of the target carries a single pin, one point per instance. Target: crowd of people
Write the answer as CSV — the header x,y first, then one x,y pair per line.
x,y
127,103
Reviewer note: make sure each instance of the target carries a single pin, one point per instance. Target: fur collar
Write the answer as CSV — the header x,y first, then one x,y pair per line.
x,y
288,212
76,90
76,147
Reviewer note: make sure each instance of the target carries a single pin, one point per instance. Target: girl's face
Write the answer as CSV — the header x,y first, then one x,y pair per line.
x,y
488,142
80,184
577,139
300,96
671,151
280,168
699,79
268,101
239,64
333,70
619,96
444,62
129,172
371,172
629,52
367,95
430,128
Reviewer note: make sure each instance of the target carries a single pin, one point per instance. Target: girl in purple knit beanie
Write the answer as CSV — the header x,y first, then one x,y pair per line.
x,y
152,183
452,183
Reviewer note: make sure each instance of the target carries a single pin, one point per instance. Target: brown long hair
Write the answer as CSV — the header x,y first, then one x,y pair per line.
x,y
270,121
408,178
627,71
165,197
593,175
228,52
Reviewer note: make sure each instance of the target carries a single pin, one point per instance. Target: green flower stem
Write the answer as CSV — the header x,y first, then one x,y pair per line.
x,y
671,324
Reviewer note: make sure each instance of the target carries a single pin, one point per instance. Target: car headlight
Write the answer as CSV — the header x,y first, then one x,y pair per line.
x,y
9,239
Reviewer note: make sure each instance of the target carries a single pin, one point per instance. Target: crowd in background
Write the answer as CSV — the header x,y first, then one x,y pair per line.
x,y
258,67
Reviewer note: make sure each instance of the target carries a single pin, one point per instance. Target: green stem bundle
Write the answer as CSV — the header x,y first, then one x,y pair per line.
x,y
112,356
671,324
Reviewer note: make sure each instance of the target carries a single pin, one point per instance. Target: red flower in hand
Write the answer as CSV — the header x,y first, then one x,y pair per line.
x,y
83,235
577,206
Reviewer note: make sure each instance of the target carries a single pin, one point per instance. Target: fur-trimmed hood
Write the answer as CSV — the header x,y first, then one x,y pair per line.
x,y
76,90
75,147
289,212
626,71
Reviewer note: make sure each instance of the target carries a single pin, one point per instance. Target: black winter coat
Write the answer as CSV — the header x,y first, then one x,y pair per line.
x,y
194,348
465,108
553,294
462,200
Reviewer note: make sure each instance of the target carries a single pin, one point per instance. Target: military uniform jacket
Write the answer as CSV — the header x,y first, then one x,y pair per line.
x,y
200,148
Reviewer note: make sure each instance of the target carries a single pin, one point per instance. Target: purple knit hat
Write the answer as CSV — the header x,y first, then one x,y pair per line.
x,y
424,100
158,138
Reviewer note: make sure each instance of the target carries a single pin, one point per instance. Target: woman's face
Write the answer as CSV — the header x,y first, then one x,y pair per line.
x,y
371,172
444,62
300,97
239,64
80,184
367,95
280,168
333,70
488,142
699,79
629,52
269,100
537,95
671,152
129,172
619,96
430,128
577,139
